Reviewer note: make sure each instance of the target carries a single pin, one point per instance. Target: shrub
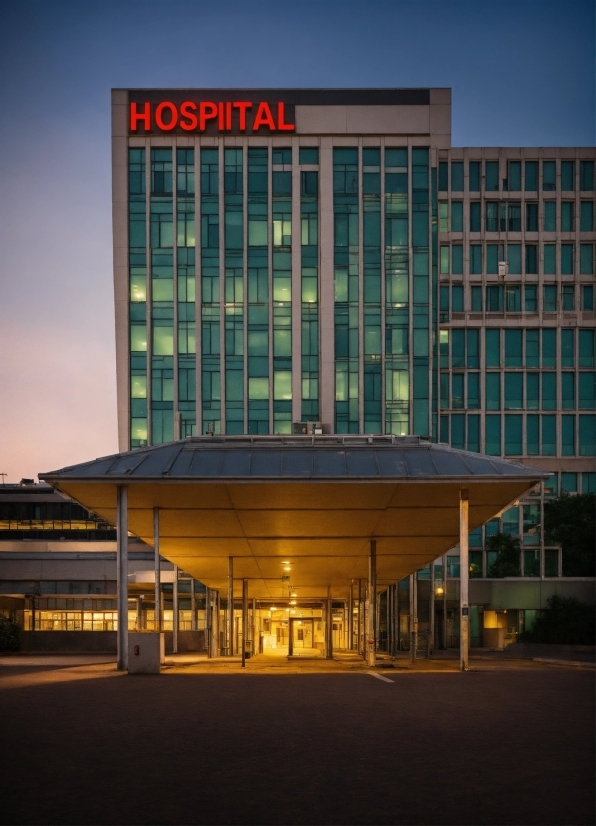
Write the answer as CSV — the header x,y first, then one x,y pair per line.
x,y
9,635
566,621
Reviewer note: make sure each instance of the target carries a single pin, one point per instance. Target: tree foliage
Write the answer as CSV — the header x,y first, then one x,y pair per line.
x,y
507,562
570,521
9,635
566,621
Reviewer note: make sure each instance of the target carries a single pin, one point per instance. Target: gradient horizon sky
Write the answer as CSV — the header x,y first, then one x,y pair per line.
x,y
522,74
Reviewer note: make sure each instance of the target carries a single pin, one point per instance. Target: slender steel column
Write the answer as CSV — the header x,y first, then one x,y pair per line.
x,y
253,627
230,623
176,617
444,601
351,617
464,574
329,625
157,624
371,608
122,574
413,617
208,640
244,619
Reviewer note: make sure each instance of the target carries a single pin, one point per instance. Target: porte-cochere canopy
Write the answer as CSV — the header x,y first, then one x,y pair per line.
x,y
303,507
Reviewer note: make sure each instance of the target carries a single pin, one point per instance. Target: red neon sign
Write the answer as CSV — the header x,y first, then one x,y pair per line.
x,y
226,116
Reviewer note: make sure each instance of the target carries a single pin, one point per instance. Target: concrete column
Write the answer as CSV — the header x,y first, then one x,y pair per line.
x,y
253,627
359,619
413,617
329,626
445,602
157,625
122,574
175,613
464,575
351,618
371,608
244,620
230,623
431,607
208,640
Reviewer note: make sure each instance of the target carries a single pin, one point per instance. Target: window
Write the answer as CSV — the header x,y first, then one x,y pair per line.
x,y
549,176
586,220
531,259
532,387
457,391
492,216
473,391
457,216
550,216
586,176
493,348
282,156
473,347
531,176
308,154
457,259
475,259
514,391
443,176
568,390
589,482
493,391
550,259
457,348
444,260
531,217
549,347
549,391
443,216
513,348
532,435
587,297
549,436
513,217
568,176
309,183
474,435
493,435
568,436
586,259
567,259
491,170
514,176
532,348
586,348
457,176
567,348
587,435
457,298
567,216
475,218
568,298
476,299
550,298
513,301
494,254
531,298
474,176
587,390
513,435
494,299
514,259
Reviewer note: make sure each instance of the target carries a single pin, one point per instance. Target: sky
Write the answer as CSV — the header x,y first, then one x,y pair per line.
x,y
522,74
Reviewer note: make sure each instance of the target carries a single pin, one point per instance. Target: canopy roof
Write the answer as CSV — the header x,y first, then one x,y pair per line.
x,y
310,504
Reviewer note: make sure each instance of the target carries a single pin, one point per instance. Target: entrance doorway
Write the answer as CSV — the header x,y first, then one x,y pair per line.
x,y
302,638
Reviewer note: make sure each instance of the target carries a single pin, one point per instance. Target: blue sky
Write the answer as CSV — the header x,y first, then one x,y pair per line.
x,y
522,73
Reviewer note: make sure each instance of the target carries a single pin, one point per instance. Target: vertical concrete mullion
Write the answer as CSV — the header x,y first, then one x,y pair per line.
x,y
244,147
296,286
383,293
198,292
326,279
360,293
222,286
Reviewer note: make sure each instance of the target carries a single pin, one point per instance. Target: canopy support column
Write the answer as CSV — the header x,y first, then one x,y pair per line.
x,y
122,574
175,612
371,608
464,575
230,617
359,619
351,617
329,626
244,620
413,617
157,566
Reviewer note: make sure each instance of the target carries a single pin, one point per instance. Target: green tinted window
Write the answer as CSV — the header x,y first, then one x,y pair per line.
x,y
492,259
586,259
587,435
493,391
474,176
533,433
491,176
532,348
549,435
586,348
457,259
457,176
550,298
550,259
531,176
493,435
493,348
514,176
476,299
308,154
513,348
586,221
532,390
586,176
475,222
567,348
567,259
567,216
549,176
549,391
550,216
514,391
443,176
549,348
568,391
568,176
587,390
513,435
567,436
